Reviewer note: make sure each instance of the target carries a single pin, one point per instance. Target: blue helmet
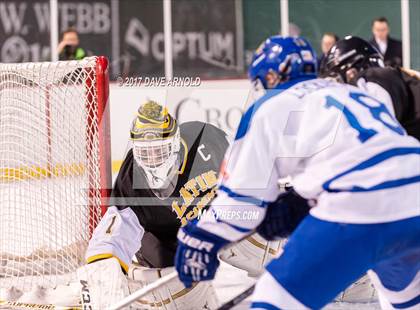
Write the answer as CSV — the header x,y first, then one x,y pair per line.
x,y
279,59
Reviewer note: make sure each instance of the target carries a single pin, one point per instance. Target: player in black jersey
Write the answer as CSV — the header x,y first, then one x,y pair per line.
x,y
168,184
355,61
167,178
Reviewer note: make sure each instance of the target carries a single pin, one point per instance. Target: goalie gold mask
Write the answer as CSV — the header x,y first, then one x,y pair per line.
x,y
156,144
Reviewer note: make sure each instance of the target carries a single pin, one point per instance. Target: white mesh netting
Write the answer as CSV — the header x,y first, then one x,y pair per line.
x,y
49,169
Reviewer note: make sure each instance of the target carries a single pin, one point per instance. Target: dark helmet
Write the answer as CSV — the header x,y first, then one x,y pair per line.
x,y
350,53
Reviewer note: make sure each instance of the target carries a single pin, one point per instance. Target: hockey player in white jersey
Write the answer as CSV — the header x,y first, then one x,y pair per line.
x,y
345,151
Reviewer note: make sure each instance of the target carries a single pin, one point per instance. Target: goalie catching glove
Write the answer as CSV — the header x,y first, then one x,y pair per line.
x,y
196,255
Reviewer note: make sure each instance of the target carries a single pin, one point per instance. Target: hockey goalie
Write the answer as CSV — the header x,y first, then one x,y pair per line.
x,y
169,175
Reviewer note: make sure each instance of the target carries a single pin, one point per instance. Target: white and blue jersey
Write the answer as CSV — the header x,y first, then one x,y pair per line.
x,y
342,148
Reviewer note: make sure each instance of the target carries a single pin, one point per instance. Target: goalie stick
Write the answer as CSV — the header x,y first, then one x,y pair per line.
x,y
144,291
158,283
237,299
4,304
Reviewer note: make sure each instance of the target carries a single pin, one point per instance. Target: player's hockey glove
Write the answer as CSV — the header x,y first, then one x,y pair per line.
x,y
283,216
196,255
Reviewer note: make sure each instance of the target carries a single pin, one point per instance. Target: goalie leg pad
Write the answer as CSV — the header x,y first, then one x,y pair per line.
x,y
361,291
173,295
102,284
252,254
97,286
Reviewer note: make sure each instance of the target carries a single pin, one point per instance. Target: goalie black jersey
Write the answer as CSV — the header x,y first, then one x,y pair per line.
x,y
203,147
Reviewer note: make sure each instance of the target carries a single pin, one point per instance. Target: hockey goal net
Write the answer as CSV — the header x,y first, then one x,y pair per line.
x,y
54,167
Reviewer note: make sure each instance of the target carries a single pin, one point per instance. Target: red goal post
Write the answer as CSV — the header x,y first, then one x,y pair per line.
x,y
102,93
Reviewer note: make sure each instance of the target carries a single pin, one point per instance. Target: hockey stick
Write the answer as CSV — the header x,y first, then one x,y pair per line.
x,y
237,299
144,291
4,304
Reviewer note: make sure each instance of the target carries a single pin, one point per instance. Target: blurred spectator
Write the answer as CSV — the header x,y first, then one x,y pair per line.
x,y
294,30
69,48
327,41
390,48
